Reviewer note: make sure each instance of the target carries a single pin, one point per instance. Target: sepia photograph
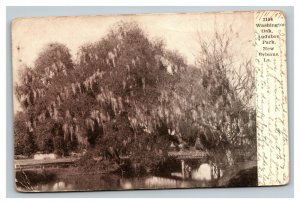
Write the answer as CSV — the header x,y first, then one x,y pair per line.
x,y
124,102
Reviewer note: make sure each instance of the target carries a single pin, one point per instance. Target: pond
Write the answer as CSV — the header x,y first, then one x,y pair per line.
x,y
51,180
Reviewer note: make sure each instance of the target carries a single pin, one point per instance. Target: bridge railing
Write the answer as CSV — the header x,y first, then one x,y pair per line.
x,y
188,154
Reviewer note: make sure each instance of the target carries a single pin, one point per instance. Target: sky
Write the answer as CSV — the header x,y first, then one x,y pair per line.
x,y
179,31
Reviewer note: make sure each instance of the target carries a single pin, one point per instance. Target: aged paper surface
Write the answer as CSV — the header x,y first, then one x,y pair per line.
x,y
150,101
272,109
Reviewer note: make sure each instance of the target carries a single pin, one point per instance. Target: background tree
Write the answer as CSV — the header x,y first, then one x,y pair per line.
x,y
23,138
40,92
229,109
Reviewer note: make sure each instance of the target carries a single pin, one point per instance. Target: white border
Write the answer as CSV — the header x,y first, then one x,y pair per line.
x,y
149,3
2,102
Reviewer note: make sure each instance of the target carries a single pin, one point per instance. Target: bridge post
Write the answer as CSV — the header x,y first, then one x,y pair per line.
x,y
211,170
183,168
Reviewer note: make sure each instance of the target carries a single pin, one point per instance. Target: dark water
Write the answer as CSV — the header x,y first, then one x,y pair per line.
x,y
69,179
66,180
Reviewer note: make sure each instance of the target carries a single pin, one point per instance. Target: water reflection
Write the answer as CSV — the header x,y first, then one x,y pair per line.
x,y
202,173
200,177
160,182
56,186
126,184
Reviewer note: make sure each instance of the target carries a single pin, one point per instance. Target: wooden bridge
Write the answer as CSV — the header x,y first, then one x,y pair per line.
x,y
67,162
191,155
187,155
47,163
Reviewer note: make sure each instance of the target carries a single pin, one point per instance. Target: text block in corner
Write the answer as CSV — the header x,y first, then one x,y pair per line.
x,y
272,108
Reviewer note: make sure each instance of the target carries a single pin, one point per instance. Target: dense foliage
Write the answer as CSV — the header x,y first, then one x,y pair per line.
x,y
126,95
